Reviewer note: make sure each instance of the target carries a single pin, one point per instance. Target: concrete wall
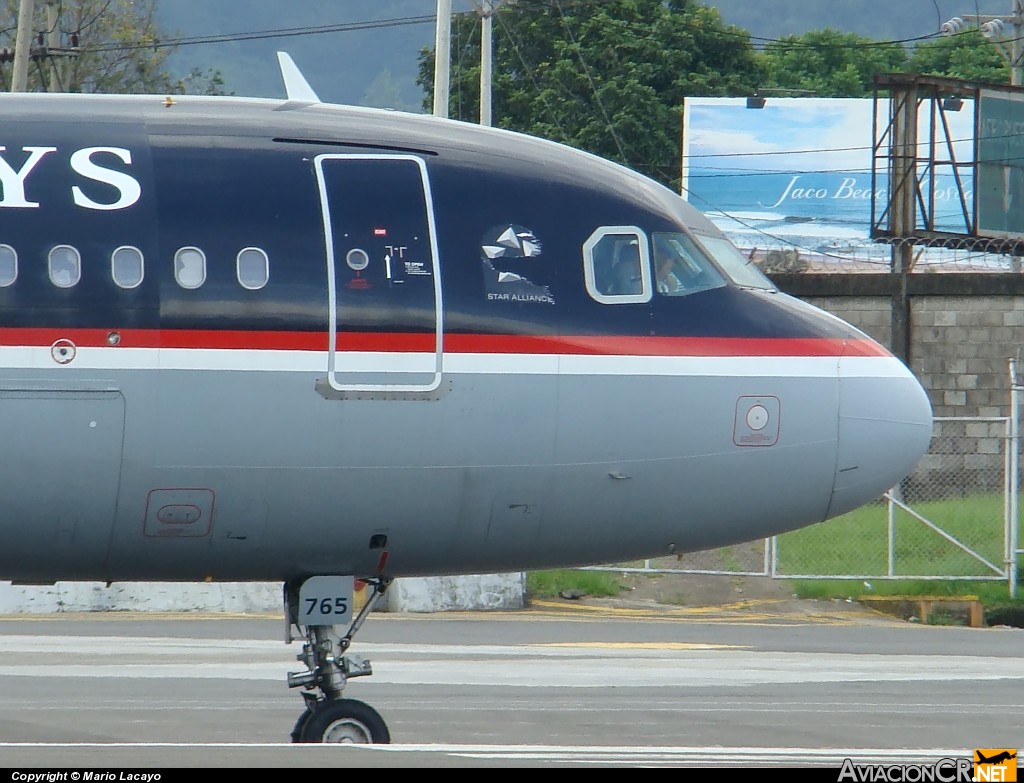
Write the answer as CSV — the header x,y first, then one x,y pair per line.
x,y
960,345
230,598
457,593
960,348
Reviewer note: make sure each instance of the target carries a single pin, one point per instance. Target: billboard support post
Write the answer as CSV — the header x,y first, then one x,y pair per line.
x,y
903,215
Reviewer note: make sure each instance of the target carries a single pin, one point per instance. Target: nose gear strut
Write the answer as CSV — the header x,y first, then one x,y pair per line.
x,y
328,716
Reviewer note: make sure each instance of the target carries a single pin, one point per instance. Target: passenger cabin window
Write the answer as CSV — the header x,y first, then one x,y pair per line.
x,y
8,266
126,266
617,266
681,267
253,268
190,267
65,266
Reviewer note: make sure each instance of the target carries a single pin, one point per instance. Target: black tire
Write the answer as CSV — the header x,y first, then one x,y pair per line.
x,y
346,721
300,724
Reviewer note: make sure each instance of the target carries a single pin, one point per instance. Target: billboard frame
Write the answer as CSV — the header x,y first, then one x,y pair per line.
x,y
911,164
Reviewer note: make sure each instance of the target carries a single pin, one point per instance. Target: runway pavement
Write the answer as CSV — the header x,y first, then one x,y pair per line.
x,y
552,685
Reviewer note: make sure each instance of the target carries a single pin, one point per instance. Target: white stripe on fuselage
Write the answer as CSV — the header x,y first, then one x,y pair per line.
x,y
234,360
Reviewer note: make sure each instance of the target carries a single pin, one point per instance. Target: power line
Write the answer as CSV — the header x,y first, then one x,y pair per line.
x,y
817,151
282,32
529,72
778,44
741,33
593,87
760,232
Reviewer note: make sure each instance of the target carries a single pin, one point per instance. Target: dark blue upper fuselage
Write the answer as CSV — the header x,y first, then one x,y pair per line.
x,y
221,175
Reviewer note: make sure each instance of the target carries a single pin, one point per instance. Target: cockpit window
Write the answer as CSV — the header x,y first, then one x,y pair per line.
x,y
680,267
741,270
616,265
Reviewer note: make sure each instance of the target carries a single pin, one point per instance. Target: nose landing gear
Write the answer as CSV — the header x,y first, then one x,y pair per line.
x,y
319,609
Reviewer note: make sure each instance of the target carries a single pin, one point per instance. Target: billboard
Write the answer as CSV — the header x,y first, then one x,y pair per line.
x,y
1000,164
796,173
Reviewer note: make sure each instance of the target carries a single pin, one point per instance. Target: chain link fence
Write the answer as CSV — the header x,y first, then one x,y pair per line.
x,y
951,519
955,517
947,520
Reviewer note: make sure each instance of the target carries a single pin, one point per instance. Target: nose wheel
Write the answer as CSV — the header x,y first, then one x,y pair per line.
x,y
315,606
342,721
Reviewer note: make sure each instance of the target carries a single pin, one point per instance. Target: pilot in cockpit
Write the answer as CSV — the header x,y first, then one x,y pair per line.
x,y
664,268
626,270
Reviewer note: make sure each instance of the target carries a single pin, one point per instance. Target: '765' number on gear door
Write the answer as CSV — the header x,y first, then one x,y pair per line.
x,y
326,600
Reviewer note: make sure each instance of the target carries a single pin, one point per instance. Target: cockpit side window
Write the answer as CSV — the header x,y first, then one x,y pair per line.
x,y
680,267
616,265
740,270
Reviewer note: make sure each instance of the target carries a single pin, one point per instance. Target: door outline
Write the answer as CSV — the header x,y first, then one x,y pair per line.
x,y
332,294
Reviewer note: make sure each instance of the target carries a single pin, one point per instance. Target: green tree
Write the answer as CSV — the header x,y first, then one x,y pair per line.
x,y
608,77
968,55
119,50
830,63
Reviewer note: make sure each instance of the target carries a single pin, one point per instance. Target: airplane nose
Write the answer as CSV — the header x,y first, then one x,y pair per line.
x,y
885,427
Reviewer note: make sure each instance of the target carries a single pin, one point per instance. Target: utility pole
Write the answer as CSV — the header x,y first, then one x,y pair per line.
x,y
442,56
486,22
1004,32
486,9
22,39
53,44
903,215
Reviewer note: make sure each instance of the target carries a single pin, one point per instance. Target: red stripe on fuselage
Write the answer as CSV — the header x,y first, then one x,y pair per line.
x,y
585,345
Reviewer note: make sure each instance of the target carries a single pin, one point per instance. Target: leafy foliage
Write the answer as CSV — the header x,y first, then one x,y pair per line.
x,y
831,64
607,77
965,56
117,50
610,77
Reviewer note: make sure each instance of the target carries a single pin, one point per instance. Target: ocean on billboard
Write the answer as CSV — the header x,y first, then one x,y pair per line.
x,y
797,172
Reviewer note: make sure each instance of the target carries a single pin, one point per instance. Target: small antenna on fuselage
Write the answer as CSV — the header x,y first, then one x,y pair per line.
x,y
295,84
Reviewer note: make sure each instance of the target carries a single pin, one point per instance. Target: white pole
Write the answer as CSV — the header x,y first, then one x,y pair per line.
x,y
485,64
1014,475
22,42
442,55
890,518
1016,46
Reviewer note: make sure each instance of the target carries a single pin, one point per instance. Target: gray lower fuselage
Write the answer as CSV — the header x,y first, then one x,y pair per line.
x,y
425,378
